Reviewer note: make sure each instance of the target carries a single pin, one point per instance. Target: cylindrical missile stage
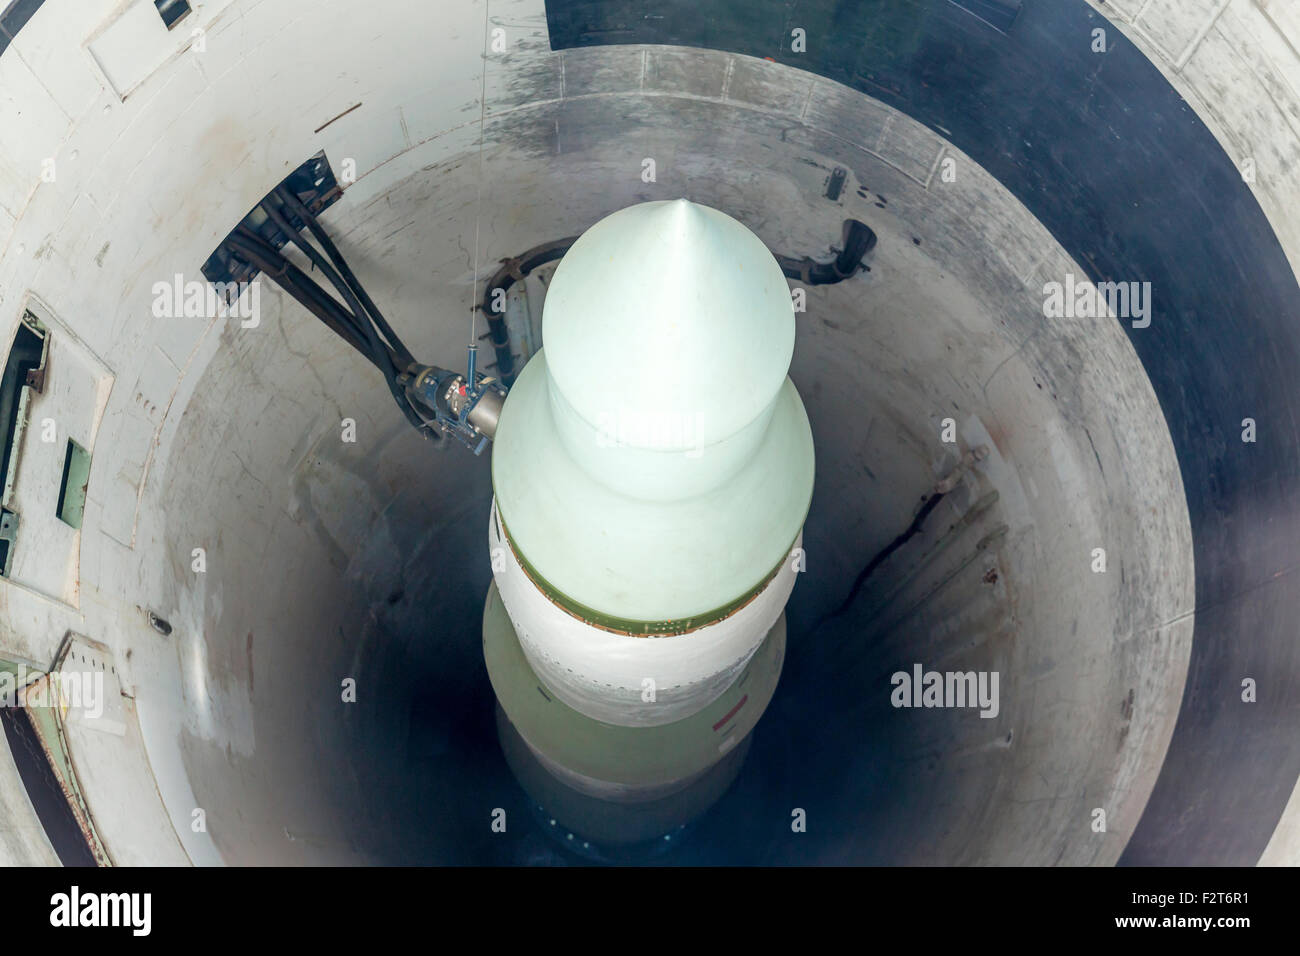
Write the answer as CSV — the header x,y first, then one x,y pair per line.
x,y
652,470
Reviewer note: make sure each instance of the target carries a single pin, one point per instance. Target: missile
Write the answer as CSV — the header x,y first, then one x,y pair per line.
x,y
652,470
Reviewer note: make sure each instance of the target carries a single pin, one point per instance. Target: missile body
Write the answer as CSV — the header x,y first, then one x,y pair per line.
x,y
652,470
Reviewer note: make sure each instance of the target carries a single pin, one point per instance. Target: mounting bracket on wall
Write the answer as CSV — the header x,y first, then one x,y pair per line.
x,y
437,401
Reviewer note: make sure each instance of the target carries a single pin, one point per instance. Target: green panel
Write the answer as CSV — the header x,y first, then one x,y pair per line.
x,y
72,492
14,675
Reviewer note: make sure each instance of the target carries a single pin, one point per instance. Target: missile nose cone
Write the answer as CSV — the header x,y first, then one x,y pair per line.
x,y
653,463
670,322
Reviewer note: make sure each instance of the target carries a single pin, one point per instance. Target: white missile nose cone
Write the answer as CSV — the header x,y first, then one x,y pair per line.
x,y
653,464
668,326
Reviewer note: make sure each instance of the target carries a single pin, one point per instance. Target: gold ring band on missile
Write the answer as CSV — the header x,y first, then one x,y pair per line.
x,y
621,625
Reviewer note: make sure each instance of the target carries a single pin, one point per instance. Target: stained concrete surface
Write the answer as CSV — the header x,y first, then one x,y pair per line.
x,y
328,560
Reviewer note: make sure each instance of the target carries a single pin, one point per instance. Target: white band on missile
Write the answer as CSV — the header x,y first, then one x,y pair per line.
x,y
627,765
604,675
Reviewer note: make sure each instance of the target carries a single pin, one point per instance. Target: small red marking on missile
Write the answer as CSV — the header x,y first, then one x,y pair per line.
x,y
731,713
